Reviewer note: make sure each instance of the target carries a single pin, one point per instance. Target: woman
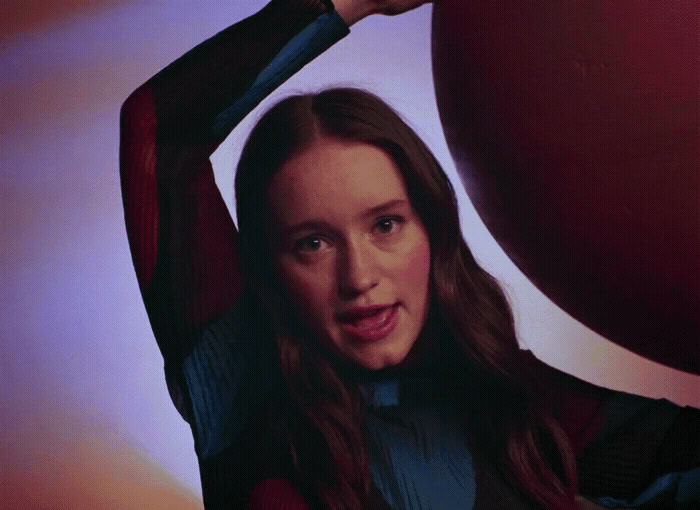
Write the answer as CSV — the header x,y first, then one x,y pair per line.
x,y
377,331
350,234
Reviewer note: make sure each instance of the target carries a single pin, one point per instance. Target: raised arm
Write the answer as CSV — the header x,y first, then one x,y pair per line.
x,y
182,238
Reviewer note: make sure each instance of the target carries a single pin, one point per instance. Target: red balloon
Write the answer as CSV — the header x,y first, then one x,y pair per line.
x,y
575,127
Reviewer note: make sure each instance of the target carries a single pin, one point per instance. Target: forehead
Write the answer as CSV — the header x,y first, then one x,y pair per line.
x,y
333,181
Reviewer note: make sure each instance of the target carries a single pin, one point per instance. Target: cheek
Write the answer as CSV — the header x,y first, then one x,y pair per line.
x,y
417,267
310,292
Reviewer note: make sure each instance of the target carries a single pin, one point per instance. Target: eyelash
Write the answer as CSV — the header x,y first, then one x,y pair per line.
x,y
396,222
302,245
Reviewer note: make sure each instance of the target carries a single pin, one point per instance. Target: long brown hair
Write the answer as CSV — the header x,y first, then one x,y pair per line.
x,y
524,448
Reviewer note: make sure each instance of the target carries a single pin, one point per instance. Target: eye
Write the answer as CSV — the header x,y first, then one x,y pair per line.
x,y
388,224
309,244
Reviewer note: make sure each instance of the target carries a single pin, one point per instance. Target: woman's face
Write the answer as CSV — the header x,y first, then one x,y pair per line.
x,y
352,252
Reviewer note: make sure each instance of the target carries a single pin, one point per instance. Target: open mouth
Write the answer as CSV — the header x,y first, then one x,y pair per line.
x,y
374,321
371,323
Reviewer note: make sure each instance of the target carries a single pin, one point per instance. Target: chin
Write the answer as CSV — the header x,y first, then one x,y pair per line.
x,y
380,360
373,364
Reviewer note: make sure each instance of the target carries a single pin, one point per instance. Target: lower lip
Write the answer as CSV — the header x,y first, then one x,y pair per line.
x,y
374,334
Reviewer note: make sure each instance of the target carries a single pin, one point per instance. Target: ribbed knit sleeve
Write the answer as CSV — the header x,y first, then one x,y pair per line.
x,y
182,238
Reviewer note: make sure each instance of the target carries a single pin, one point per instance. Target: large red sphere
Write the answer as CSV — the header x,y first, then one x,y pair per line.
x,y
575,126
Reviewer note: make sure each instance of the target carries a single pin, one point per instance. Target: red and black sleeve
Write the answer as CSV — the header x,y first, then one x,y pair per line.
x,y
182,238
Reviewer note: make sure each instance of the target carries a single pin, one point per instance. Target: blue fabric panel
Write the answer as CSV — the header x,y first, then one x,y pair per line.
x,y
318,36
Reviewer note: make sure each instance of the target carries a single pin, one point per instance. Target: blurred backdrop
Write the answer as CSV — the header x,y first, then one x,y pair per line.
x,y
85,417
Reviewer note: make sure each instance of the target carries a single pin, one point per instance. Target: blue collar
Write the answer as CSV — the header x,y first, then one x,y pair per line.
x,y
382,393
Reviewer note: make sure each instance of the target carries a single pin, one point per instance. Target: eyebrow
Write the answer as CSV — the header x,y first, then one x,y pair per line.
x,y
373,211
304,225
322,225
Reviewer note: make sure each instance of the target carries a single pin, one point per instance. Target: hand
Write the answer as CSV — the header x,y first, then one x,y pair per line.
x,y
353,11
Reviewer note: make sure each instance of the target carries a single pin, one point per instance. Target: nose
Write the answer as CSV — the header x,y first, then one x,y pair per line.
x,y
358,269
